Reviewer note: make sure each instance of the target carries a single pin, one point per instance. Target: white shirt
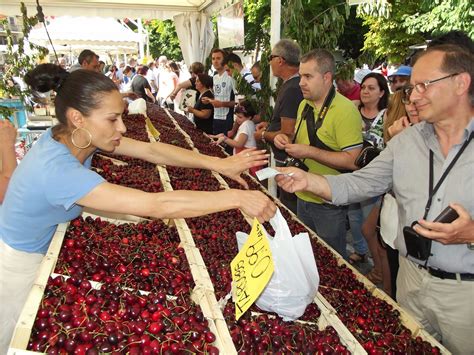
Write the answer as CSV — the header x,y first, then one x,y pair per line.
x,y
223,87
247,128
247,75
150,76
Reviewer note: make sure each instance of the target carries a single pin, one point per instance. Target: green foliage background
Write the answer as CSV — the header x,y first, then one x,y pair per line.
x,y
163,39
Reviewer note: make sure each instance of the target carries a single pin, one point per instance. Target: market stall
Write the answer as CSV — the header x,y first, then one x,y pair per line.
x,y
157,286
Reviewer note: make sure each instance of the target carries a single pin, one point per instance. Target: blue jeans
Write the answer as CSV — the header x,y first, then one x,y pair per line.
x,y
357,214
328,221
356,218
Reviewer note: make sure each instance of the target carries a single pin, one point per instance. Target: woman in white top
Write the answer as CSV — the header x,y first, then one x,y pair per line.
x,y
244,138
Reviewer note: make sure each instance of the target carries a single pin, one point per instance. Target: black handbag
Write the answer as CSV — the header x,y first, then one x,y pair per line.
x,y
367,154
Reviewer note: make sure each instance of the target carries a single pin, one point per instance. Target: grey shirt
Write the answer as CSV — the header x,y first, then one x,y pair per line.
x,y
403,166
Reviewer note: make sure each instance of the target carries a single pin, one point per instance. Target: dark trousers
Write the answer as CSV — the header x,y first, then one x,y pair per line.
x,y
328,221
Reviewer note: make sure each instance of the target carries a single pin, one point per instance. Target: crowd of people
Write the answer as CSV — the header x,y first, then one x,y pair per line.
x,y
418,120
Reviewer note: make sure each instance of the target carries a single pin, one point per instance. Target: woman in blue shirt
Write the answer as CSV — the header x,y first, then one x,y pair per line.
x,y
54,181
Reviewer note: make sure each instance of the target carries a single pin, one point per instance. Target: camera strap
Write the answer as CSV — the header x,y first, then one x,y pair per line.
x,y
307,115
432,191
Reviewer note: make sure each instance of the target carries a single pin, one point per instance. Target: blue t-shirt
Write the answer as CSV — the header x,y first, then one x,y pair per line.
x,y
42,193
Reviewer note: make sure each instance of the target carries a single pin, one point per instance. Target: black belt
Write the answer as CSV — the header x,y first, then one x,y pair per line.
x,y
441,274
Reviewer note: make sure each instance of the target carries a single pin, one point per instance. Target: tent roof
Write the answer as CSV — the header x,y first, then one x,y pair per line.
x,y
85,31
146,9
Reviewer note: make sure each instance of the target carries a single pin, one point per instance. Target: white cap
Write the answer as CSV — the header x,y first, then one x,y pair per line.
x,y
360,75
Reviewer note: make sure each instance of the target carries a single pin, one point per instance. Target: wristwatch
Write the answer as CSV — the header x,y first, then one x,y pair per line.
x,y
470,246
263,136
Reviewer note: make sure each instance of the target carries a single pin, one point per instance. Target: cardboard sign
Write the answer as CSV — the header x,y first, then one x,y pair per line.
x,y
252,269
153,131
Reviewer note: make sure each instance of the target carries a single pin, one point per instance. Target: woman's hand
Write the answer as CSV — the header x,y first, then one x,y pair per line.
x,y
7,135
256,204
398,126
292,179
234,165
217,138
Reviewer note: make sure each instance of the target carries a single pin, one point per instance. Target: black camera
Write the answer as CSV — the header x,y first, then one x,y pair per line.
x,y
297,163
420,247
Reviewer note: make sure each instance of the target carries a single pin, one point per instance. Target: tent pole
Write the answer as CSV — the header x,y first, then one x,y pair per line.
x,y
274,38
140,31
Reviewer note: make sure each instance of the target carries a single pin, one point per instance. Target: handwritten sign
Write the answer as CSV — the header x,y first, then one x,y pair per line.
x,y
252,269
153,131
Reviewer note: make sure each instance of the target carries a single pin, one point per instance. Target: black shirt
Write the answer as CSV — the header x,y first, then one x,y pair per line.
x,y
286,105
139,83
204,124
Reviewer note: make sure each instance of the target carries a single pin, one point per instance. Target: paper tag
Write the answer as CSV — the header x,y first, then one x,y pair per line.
x,y
267,173
252,269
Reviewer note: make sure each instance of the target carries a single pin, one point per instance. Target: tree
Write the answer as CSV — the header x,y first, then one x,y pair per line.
x,y
257,25
397,24
352,40
314,23
440,16
163,39
18,61
388,36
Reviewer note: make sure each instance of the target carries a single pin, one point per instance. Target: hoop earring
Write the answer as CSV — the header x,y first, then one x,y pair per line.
x,y
75,144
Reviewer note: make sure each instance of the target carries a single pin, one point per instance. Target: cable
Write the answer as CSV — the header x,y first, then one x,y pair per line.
x,y
40,17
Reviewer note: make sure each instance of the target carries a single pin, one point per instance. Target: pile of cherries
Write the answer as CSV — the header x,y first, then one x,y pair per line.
x,y
144,256
74,318
143,177
259,333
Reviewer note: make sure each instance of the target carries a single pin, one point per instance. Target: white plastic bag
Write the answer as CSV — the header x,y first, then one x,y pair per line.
x,y
137,107
295,280
389,220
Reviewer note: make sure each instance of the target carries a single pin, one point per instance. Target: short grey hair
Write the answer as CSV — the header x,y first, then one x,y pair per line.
x,y
289,50
324,58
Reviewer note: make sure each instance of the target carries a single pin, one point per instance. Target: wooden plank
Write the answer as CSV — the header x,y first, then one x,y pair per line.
x,y
429,338
27,317
346,337
13,351
221,324
113,160
114,216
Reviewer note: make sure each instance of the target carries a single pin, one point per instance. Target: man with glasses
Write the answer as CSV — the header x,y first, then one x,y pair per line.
x,y
400,78
329,146
429,166
284,61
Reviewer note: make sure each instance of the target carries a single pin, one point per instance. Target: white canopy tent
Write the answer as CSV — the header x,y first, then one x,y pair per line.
x,y
191,16
72,34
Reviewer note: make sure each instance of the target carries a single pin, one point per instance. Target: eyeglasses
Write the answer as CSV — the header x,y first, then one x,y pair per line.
x,y
270,58
421,87
397,79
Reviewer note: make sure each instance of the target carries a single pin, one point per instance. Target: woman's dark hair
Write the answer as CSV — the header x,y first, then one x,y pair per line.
x,y
174,67
245,108
206,80
142,70
382,82
81,90
197,68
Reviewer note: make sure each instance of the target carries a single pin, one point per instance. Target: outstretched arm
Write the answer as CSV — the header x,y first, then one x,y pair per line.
x,y
7,155
176,204
162,153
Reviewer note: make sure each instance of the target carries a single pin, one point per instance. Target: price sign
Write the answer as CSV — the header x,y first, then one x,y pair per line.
x,y
153,131
252,269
